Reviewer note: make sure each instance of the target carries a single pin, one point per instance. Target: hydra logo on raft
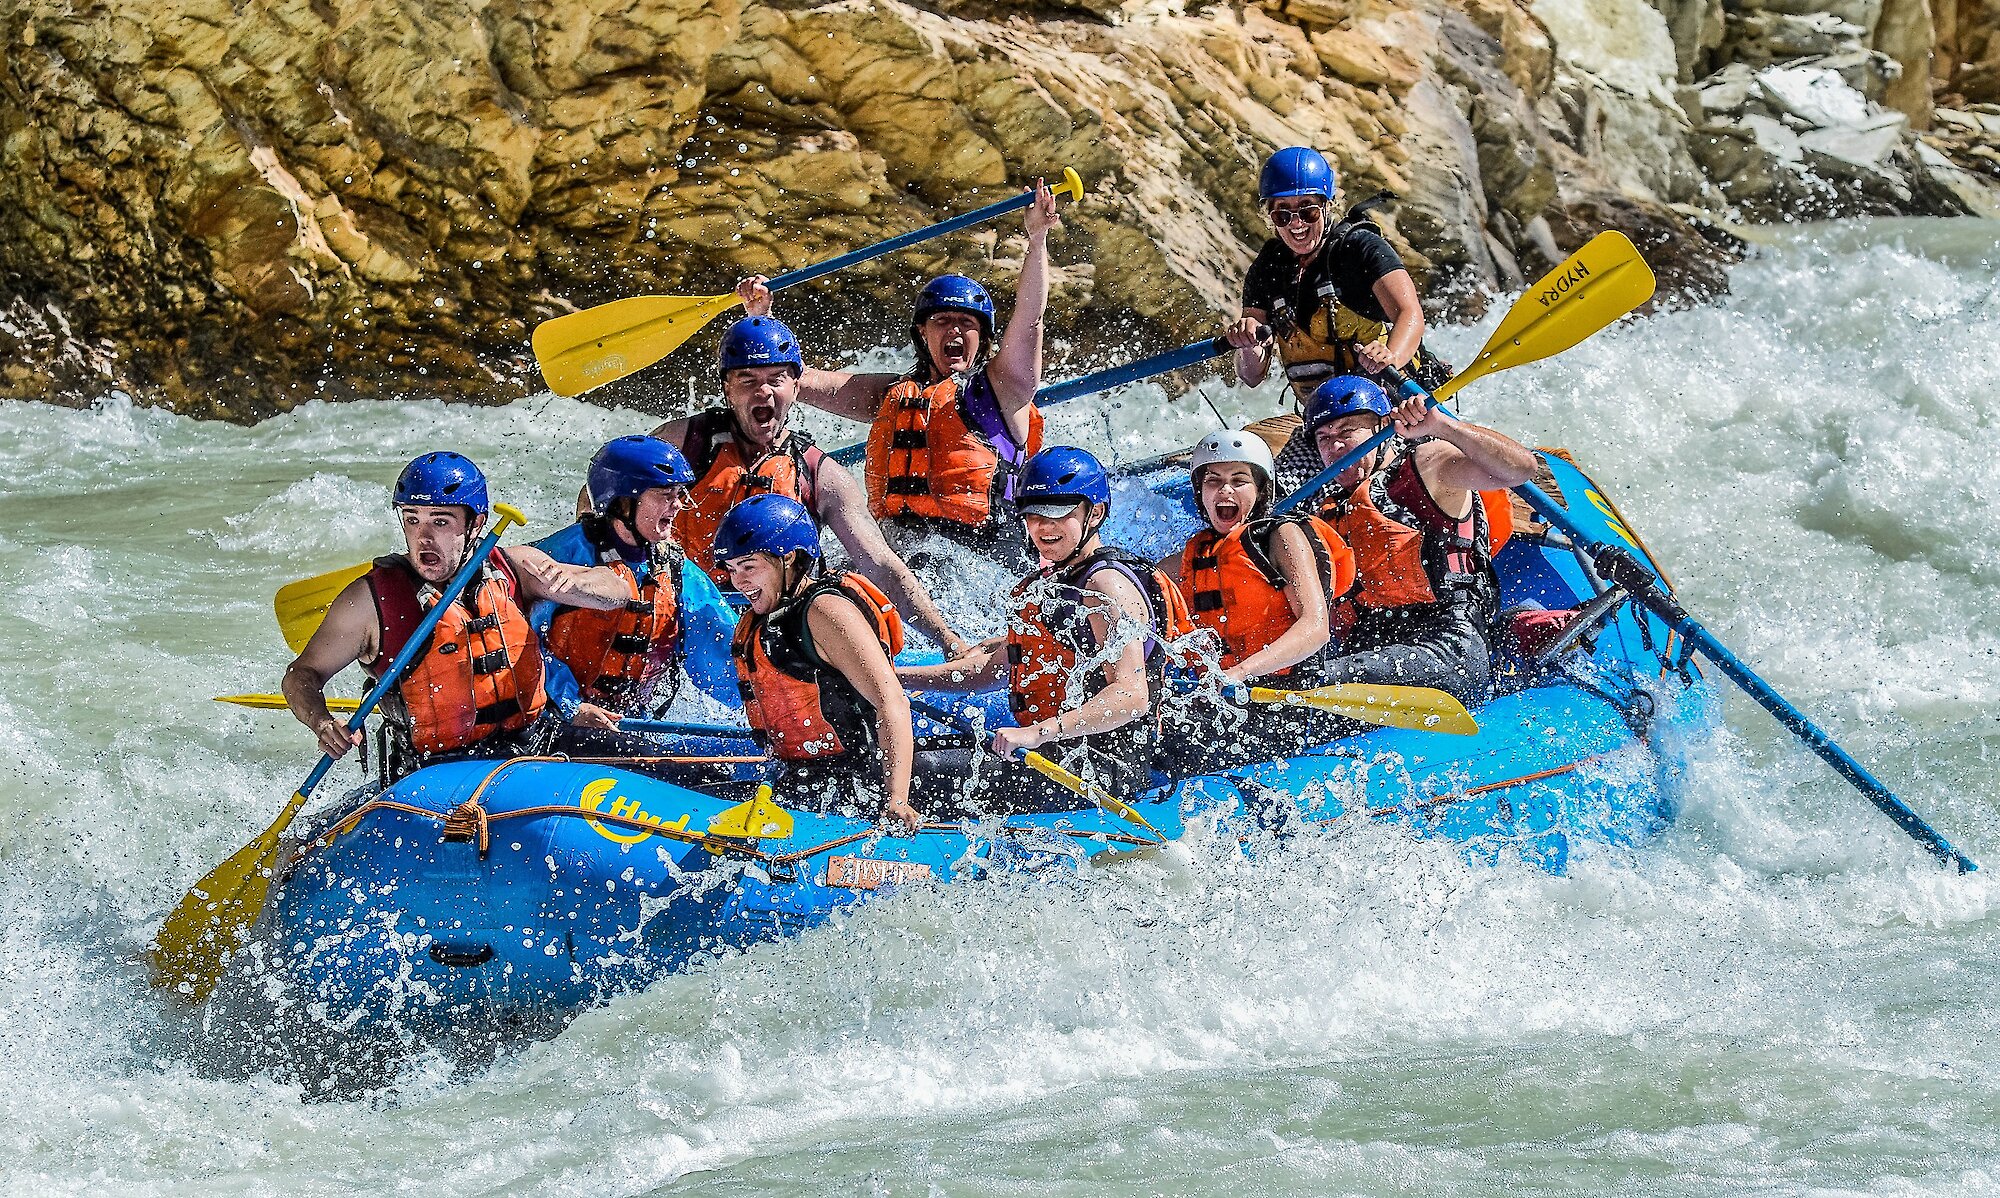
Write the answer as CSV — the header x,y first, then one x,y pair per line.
x,y
868,873
1562,285
592,799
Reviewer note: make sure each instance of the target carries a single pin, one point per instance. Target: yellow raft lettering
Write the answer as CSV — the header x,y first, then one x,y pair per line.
x,y
593,797
1610,517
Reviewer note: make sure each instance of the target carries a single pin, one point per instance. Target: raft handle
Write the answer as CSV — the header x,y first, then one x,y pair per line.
x,y
462,955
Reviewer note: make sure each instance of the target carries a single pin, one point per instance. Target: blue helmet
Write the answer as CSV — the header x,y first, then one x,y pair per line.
x,y
1295,171
630,466
766,523
1062,474
442,479
956,293
1344,395
760,341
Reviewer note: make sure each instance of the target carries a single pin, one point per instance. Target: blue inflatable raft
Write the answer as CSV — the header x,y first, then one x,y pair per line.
x,y
511,895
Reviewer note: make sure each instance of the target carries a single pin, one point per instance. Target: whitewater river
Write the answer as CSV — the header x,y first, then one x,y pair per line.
x,y
1780,995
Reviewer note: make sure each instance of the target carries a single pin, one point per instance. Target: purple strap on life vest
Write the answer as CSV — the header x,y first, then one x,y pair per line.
x,y
981,409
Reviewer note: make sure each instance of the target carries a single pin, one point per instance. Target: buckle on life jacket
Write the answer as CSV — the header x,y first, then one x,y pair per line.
x,y
639,607
629,643
910,438
490,663
1207,601
486,623
1205,562
907,485
916,403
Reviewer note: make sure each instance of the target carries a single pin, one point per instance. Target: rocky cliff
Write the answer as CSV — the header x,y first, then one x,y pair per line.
x,y
232,206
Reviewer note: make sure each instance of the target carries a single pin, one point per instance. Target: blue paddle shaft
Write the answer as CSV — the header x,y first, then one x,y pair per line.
x,y
1620,567
903,241
675,728
408,653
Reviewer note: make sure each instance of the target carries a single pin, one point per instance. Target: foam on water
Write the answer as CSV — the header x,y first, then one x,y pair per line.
x,y
1781,994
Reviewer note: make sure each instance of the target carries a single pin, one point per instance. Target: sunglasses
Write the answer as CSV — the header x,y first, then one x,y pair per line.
x,y
1304,214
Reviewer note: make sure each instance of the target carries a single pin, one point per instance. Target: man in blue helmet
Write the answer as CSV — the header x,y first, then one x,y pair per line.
x,y
748,447
1085,652
1419,513
1334,293
604,665
947,439
478,690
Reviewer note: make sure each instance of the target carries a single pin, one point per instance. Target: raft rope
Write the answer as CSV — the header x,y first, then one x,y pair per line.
x,y
471,821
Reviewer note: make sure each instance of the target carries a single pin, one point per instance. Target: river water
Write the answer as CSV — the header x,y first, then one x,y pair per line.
x,y
1780,995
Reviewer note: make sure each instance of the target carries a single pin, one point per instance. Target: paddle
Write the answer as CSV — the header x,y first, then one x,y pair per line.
x,y
673,728
301,605
1590,289
1102,380
1619,567
1422,708
1047,769
217,914
582,350
277,702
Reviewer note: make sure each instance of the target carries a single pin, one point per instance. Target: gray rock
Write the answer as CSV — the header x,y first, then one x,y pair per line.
x,y
1950,186
1816,95
1864,148
1764,37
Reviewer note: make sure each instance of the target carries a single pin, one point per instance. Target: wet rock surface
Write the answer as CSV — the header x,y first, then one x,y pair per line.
x,y
230,208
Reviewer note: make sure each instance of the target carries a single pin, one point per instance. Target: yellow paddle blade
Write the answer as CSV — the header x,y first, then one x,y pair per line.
x,y
277,702
599,345
758,819
1593,287
1075,785
216,917
1418,707
302,605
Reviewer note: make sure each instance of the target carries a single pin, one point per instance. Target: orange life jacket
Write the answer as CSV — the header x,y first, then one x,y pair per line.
x,y
727,477
801,708
929,455
1236,590
480,674
1050,631
1408,553
613,652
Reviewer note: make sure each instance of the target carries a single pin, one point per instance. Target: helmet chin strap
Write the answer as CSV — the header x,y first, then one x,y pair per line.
x,y
1090,527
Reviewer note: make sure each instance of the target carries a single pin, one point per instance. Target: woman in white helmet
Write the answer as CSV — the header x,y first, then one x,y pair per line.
x,y
1265,587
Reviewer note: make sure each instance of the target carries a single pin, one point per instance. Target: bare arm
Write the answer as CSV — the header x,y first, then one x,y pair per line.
x,y
1397,293
348,634
855,396
1462,458
1116,610
979,667
1293,556
840,505
1253,358
1016,369
543,577
848,644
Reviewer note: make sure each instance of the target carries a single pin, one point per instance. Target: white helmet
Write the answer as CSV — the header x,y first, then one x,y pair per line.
x,y
1228,445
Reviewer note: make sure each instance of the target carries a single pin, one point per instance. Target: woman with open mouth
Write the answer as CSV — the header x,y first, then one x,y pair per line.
x,y
1263,588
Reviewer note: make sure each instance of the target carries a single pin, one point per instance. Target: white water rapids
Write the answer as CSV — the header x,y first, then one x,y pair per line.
x,y
1780,995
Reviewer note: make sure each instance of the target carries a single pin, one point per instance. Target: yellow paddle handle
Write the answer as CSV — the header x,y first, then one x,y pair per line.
x,y
509,514
1072,185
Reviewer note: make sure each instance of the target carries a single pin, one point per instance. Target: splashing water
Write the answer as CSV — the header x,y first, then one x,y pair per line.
x,y
1779,995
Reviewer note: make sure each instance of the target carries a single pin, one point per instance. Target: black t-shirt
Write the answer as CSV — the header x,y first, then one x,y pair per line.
x,y
1353,260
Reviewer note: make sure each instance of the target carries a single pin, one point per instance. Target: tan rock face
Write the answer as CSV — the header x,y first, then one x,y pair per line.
x,y
238,206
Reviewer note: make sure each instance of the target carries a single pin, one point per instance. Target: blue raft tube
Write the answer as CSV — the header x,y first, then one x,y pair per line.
x,y
508,896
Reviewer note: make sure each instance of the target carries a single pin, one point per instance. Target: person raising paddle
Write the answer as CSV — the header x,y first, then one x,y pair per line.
x,y
1424,515
947,439
603,665
1335,295
477,691
747,447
